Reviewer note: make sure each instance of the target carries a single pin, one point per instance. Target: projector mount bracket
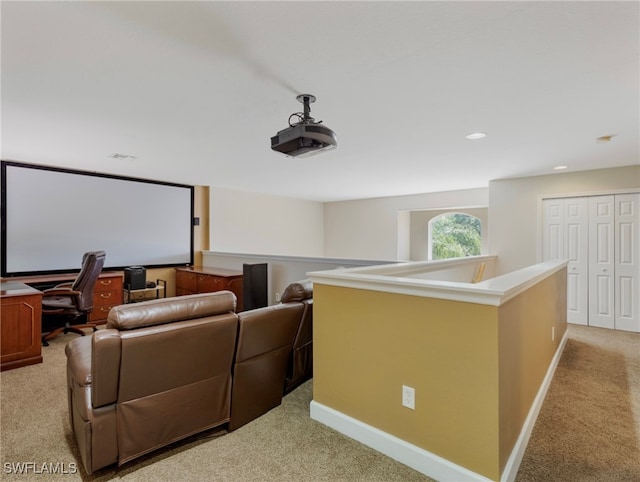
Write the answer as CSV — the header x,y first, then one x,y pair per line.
x,y
304,117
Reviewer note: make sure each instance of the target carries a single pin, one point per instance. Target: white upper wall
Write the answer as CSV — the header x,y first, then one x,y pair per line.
x,y
372,229
379,229
247,222
515,204
369,228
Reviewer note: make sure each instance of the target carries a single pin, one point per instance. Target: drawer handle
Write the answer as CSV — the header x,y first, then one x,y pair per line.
x,y
105,295
105,282
105,309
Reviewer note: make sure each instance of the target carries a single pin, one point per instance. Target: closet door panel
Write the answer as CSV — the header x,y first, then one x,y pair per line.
x,y
576,222
627,270
553,229
601,261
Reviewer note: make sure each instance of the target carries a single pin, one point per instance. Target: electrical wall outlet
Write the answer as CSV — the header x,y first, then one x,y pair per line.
x,y
408,397
277,297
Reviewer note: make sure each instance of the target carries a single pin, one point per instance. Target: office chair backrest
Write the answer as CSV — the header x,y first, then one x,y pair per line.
x,y
85,282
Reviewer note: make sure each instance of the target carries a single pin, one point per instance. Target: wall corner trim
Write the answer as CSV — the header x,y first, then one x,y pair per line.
x,y
419,459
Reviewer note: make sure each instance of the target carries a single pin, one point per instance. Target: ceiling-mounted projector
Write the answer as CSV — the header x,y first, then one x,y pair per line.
x,y
306,137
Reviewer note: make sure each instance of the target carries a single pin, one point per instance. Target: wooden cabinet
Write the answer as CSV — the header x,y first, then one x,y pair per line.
x,y
207,280
106,294
20,325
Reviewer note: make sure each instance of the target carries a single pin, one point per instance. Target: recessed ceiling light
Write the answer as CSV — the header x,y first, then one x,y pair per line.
x,y
559,168
604,139
476,135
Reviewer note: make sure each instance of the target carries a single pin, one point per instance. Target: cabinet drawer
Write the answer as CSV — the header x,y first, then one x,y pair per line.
x,y
208,284
186,281
99,314
107,293
108,284
107,298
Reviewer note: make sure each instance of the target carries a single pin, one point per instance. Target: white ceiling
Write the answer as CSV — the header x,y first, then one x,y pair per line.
x,y
195,90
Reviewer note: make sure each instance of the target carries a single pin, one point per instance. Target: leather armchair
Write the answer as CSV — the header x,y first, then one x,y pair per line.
x,y
159,372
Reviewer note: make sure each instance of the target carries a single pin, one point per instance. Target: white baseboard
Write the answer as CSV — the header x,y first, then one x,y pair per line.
x,y
513,463
422,460
404,452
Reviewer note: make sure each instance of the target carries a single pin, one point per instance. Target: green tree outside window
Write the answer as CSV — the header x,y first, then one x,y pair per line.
x,y
454,235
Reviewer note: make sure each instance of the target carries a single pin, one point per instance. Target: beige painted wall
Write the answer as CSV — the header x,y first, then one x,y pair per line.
x,y
526,349
245,222
368,344
378,228
514,208
476,369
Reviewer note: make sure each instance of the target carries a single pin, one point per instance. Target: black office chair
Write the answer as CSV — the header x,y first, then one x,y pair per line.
x,y
72,302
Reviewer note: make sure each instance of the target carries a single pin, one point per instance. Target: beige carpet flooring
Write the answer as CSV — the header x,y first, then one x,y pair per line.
x,y
588,429
589,426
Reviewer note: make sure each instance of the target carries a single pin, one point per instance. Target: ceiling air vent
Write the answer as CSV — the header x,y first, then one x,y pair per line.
x,y
115,155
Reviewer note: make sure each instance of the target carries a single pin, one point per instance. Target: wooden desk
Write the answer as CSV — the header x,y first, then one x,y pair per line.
x,y
107,292
20,325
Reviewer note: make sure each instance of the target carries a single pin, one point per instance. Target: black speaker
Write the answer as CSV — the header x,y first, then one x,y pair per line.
x,y
254,286
135,278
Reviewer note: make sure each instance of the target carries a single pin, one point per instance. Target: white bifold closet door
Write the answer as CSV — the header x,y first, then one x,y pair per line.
x,y
600,238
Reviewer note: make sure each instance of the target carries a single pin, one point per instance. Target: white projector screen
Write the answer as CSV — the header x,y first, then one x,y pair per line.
x,y
51,217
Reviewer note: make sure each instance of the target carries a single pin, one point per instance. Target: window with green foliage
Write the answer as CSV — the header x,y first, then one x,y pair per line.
x,y
454,235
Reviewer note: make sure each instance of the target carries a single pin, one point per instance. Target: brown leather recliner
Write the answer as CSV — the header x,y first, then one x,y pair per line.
x,y
265,341
159,372
300,367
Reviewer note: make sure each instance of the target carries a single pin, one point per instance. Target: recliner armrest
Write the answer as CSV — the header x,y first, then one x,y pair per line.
x,y
78,353
95,361
105,367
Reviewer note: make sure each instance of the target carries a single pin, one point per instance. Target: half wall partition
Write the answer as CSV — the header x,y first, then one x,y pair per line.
x,y
478,355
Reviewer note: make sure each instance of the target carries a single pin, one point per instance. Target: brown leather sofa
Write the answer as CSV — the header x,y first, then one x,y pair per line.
x,y
159,372
163,370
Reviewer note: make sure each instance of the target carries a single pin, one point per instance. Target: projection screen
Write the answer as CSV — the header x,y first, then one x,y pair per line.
x,y
51,216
